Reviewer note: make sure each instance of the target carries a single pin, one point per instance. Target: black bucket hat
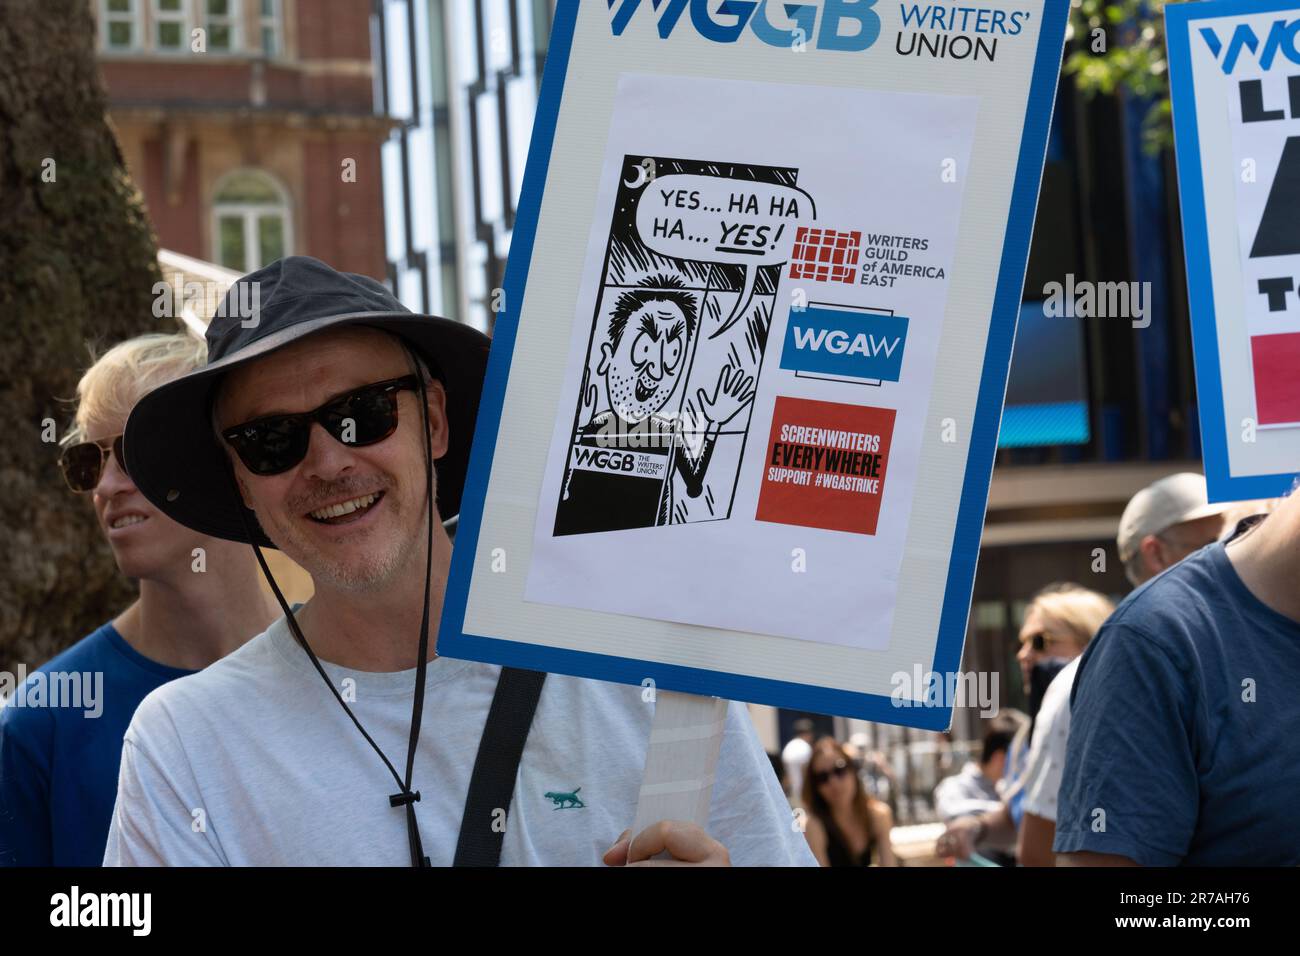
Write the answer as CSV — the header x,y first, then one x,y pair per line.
x,y
175,458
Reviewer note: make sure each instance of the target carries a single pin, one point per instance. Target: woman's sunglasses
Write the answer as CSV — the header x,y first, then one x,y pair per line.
x,y
274,444
1041,640
83,464
823,777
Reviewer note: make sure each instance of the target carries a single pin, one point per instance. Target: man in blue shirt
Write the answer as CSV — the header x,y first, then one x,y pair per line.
x,y
61,729
1183,745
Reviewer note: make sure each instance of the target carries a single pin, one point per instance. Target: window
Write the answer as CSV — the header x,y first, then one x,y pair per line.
x,y
119,24
165,26
270,24
221,20
170,27
251,221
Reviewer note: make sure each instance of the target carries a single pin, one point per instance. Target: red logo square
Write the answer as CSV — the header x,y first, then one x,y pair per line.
x,y
825,465
1277,377
825,255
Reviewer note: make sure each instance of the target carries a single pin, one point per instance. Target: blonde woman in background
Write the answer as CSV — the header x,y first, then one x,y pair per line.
x,y
1059,622
199,600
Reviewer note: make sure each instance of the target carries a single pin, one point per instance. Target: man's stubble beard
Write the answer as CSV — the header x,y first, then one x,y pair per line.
x,y
375,574
624,403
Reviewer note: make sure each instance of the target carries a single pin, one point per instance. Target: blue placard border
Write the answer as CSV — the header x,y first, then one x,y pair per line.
x,y
1220,482
453,641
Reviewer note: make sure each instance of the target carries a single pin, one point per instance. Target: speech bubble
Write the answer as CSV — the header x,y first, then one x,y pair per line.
x,y
724,220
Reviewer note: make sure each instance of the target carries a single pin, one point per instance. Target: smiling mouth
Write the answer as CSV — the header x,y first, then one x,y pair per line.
x,y
643,391
126,521
346,511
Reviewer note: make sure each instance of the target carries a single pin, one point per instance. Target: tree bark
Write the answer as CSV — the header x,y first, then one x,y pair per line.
x,y
78,261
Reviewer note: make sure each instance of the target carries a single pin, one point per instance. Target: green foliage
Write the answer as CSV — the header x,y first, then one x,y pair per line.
x,y
1118,46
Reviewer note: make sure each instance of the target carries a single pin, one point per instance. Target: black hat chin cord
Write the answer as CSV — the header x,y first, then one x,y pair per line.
x,y
406,797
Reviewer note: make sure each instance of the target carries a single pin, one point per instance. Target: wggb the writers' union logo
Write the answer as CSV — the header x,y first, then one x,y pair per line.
x,y
844,25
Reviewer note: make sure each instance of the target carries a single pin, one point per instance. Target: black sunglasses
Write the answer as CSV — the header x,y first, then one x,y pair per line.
x,y
840,769
83,464
1040,641
274,444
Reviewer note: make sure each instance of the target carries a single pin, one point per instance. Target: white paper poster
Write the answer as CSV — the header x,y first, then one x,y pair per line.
x,y
1266,147
745,388
752,355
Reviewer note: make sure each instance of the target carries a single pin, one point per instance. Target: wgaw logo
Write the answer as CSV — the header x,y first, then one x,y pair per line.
x,y
837,343
845,25
1281,38
75,908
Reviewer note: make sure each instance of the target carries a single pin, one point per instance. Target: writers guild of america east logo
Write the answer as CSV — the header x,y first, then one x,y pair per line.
x,y
565,801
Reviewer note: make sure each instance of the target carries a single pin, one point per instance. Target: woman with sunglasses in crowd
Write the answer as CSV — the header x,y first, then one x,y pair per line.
x,y
199,599
1060,620
846,826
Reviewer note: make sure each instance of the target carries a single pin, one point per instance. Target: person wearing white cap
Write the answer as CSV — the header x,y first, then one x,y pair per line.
x,y
1182,747
1164,523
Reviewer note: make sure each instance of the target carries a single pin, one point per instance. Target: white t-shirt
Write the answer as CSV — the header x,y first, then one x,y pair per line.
x,y
965,794
1047,749
252,762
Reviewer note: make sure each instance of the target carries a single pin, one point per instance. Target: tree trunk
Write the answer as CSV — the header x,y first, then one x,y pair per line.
x,y
77,268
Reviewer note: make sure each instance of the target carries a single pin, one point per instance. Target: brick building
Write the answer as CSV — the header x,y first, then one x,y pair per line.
x,y
250,126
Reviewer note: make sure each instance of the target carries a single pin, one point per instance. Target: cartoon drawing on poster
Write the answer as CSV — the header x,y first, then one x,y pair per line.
x,y
691,273
751,356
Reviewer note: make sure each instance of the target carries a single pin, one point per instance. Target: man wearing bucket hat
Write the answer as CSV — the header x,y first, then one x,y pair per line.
x,y
314,428
1164,523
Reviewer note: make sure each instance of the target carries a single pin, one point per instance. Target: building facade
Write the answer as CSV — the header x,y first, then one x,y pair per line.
x,y
251,126
462,78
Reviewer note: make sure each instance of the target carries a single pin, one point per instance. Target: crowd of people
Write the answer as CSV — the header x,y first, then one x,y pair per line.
x,y
1156,731
238,729
1159,731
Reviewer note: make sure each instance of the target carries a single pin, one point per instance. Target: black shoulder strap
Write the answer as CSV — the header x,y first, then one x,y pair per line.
x,y
496,766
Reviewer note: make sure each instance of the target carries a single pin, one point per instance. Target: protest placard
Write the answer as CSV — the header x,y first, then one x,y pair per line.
x,y
744,394
1234,74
